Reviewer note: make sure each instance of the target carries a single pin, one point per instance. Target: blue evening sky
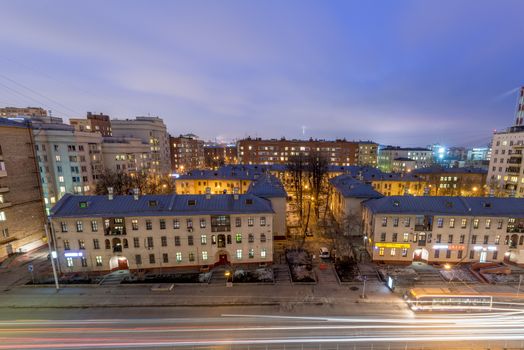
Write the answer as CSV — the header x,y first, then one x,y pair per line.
x,y
397,72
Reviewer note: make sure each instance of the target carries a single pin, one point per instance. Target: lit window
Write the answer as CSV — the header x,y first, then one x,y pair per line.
x,y
238,238
2,216
204,255
381,251
239,253
69,262
178,257
263,253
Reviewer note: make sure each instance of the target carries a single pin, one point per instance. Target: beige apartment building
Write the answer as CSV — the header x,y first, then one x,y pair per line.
x,y
403,229
129,155
102,233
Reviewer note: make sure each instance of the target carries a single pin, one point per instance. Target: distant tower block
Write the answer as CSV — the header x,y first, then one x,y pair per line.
x,y
519,120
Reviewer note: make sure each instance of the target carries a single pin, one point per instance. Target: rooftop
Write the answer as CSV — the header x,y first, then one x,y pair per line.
x,y
349,186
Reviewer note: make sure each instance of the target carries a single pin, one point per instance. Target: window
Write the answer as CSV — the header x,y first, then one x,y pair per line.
x,y
472,254
138,259
448,253
463,223
436,255
79,226
178,257
63,225
189,224
262,221
96,243
83,261
98,260
263,253
486,239
163,241
81,244
476,223
204,255
495,255
150,242
459,254
439,238
251,253
176,224
381,251
191,256
136,242
69,262
149,224
162,224
405,237
474,239
66,245
213,239
202,223
250,221
407,222
488,223
251,238
94,225
238,222
191,202
239,253
450,238
134,224
394,237
497,239
499,224
165,258
404,252
462,239
238,238
107,244
263,237
190,240
383,237
393,251
151,258
177,241
440,222
203,239
384,221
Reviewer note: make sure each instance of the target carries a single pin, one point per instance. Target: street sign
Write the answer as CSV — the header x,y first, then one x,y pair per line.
x,y
30,267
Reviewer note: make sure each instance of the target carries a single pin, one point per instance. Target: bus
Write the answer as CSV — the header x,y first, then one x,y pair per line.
x,y
442,299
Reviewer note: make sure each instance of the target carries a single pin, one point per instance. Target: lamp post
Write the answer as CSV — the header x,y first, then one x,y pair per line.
x,y
363,296
51,255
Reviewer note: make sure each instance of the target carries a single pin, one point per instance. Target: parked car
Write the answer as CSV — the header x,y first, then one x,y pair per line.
x,y
324,253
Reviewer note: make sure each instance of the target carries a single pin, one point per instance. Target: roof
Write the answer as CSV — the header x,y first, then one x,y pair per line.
x,y
394,148
444,205
267,186
350,187
16,123
442,170
165,205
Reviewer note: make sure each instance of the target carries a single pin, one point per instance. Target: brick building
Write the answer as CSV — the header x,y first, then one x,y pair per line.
x,y
187,153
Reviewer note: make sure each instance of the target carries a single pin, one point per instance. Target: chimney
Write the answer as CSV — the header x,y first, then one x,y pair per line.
x,y
235,193
492,193
136,191
110,193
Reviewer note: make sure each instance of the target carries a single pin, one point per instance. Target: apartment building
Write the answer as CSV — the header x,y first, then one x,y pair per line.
x,y
403,159
129,155
403,229
273,151
367,153
21,205
8,112
218,154
454,181
102,233
93,123
187,153
68,161
152,131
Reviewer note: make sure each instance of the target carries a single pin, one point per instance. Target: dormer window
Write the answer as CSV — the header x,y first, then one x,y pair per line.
x,y
153,203
249,201
191,202
82,205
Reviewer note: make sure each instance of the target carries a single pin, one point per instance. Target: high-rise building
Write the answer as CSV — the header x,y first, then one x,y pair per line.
x,y
505,173
151,130
21,206
403,159
187,153
273,151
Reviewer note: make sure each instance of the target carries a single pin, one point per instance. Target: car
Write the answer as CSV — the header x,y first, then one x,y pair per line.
x,y
324,253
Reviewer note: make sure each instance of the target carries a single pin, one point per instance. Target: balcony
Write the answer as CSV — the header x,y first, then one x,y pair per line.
x,y
114,232
513,170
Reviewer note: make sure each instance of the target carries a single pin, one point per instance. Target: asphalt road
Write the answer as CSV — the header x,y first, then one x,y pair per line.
x,y
253,328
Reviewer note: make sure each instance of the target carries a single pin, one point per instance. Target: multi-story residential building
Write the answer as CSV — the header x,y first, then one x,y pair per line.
x,y
151,130
367,153
102,233
187,153
479,153
395,184
21,205
129,155
8,112
93,123
402,229
219,154
69,161
259,151
453,181
403,158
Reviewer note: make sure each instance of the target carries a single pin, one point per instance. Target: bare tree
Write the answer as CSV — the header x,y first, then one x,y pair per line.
x,y
123,183
296,167
317,169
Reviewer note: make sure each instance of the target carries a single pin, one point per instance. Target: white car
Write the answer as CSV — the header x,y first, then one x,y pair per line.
x,y
324,253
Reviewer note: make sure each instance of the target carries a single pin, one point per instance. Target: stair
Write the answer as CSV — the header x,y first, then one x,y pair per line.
x,y
281,274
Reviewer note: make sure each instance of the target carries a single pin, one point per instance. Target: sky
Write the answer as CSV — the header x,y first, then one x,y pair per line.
x,y
408,73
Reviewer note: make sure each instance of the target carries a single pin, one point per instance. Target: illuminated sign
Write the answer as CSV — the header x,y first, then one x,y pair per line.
x,y
449,246
490,248
73,254
392,245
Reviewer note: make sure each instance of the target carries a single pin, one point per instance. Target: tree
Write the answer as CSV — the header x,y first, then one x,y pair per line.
x,y
296,167
317,169
341,234
123,183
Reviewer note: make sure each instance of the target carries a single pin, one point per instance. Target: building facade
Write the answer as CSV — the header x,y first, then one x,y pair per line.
x,y
403,229
8,112
219,154
128,155
102,233
403,159
93,123
187,153
152,131
273,151
367,154
454,181
21,205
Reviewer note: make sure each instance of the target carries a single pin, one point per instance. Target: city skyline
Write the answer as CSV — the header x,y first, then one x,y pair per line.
x,y
233,70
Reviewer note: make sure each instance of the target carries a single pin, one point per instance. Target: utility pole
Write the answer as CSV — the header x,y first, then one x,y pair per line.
x,y
51,255
520,282
363,296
